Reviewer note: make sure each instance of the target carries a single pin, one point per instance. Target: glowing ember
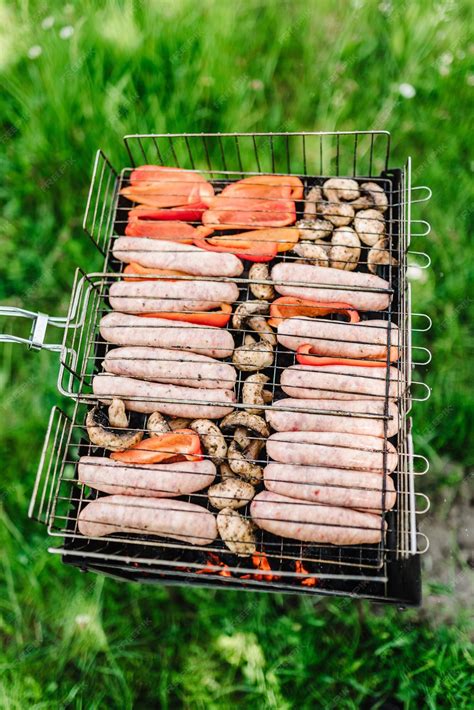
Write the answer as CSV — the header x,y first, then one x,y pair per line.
x,y
261,562
212,563
300,569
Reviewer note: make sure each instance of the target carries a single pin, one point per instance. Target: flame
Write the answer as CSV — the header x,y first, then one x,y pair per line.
x,y
261,562
211,564
300,569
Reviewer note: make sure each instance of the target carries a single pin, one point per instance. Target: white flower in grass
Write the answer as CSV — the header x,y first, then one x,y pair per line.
x,y
257,85
48,22
408,91
83,620
35,51
416,273
66,32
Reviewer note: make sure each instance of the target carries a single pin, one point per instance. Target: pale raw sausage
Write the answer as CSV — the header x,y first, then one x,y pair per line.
x,y
178,297
342,382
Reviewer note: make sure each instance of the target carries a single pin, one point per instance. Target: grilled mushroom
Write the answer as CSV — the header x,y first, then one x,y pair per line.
x,y
261,272
254,355
253,392
315,228
179,423
241,418
337,189
117,414
311,253
379,255
242,466
244,449
226,471
370,226
313,200
157,424
102,434
211,438
345,249
376,195
338,213
247,310
231,493
237,532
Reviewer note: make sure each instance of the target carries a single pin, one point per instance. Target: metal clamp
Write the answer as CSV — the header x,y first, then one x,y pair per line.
x,y
40,322
421,199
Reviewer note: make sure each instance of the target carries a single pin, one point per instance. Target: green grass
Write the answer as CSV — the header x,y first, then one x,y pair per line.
x,y
70,640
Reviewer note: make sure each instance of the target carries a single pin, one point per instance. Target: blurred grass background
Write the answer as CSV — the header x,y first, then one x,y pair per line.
x,y
79,76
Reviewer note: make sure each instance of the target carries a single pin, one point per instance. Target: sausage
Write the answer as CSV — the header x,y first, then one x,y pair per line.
x,y
368,339
287,415
124,329
179,297
331,486
161,254
351,285
331,449
148,397
156,480
148,516
310,522
342,382
176,367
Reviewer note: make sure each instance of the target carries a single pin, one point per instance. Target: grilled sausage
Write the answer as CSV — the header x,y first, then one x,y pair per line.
x,y
331,486
323,284
311,522
342,382
148,397
124,329
334,450
160,254
179,297
148,516
176,367
287,415
368,339
156,480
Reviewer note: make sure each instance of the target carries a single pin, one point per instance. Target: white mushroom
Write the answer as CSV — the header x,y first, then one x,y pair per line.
x,y
157,424
243,467
376,195
315,228
253,392
179,423
345,249
311,205
337,189
261,272
231,493
338,213
237,532
379,255
117,414
370,226
211,438
253,355
312,253
226,471
102,434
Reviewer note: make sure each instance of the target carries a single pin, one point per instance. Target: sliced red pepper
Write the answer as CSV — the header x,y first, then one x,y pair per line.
x,y
158,186
218,319
267,186
252,251
291,306
285,238
249,213
186,213
178,445
173,231
149,272
305,355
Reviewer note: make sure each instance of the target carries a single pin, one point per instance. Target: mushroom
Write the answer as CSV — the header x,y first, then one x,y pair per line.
x,y
379,255
242,466
345,249
253,392
311,253
261,272
338,213
179,423
337,189
231,493
376,194
237,532
244,449
241,418
117,414
102,434
370,226
226,471
254,355
157,424
315,228
248,309
212,439
313,200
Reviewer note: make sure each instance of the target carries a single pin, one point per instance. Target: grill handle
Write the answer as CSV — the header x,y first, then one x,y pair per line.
x,y
39,325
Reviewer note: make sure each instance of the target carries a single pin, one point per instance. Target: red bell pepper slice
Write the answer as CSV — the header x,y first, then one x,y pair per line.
x,y
185,213
305,356
217,319
158,186
266,186
251,251
178,445
172,231
249,213
291,307
149,273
